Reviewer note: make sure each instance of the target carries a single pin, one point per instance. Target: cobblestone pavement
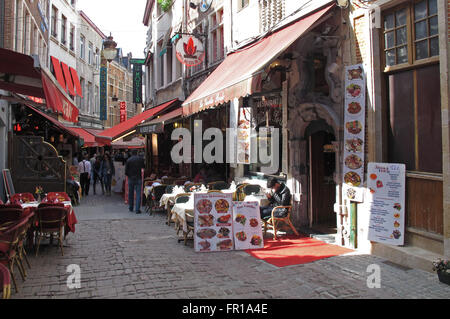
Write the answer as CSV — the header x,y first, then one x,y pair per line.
x,y
124,255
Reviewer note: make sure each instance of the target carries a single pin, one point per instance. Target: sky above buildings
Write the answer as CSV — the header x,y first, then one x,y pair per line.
x,y
123,19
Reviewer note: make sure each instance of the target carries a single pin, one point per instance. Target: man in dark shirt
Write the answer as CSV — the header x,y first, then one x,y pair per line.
x,y
133,170
281,196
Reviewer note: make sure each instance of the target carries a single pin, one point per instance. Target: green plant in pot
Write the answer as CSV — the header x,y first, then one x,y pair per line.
x,y
442,267
165,4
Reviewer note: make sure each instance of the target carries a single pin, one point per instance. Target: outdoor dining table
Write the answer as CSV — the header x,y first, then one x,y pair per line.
x,y
71,219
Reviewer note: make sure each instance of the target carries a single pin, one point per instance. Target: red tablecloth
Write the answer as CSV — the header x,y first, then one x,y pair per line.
x,y
71,219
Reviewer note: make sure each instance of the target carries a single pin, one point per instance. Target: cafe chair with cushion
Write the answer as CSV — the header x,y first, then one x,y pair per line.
x,y
9,241
51,220
9,215
219,185
22,198
190,225
278,216
24,233
5,282
155,198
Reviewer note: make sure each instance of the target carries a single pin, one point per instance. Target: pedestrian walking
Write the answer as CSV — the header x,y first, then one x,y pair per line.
x,y
97,175
84,167
107,172
133,170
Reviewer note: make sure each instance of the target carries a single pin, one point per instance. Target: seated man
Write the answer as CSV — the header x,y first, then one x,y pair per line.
x,y
281,196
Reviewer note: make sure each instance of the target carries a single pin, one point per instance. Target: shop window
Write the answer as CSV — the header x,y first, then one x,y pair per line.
x,y
410,33
63,29
54,21
216,36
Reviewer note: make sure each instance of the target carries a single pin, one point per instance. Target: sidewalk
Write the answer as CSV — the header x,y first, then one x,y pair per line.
x,y
124,255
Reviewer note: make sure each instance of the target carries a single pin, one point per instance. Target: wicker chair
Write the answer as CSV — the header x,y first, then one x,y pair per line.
x,y
239,194
190,225
9,215
156,195
9,241
179,199
5,282
51,220
273,220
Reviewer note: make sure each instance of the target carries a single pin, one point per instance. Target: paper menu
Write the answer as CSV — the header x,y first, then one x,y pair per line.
x,y
247,226
213,213
386,193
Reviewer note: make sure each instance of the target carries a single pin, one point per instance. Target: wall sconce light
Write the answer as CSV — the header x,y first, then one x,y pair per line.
x,y
52,139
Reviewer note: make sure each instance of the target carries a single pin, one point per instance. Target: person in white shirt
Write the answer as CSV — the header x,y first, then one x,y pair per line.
x,y
84,167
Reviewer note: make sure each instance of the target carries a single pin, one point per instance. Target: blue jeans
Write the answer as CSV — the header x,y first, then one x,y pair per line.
x,y
134,185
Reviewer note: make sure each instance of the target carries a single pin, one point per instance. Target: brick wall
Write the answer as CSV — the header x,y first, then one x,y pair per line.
x,y
360,25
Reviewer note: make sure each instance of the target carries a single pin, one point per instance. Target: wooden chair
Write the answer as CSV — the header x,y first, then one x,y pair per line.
x,y
5,282
274,221
190,225
51,220
155,196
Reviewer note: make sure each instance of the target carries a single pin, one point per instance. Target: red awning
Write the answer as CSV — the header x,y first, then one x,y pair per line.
x,y
58,72
68,78
76,82
58,101
240,73
18,74
129,125
54,122
89,138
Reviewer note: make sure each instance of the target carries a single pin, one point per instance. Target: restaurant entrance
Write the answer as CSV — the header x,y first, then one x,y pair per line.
x,y
322,188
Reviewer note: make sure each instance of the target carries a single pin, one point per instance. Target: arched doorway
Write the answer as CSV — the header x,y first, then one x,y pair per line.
x,y
321,185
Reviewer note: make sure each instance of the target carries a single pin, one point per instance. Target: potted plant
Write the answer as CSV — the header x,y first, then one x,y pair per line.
x,y
442,267
165,4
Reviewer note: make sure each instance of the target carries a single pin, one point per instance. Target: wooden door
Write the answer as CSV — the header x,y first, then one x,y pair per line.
x,y
322,187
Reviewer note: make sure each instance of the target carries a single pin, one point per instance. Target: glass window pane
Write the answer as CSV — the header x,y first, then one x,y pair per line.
x,y
422,50
434,46
390,57
389,40
434,26
432,7
420,10
401,36
400,18
402,55
421,29
389,22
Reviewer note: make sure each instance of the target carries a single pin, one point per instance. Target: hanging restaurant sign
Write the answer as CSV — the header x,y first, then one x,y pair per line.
x,y
137,83
103,93
123,111
190,50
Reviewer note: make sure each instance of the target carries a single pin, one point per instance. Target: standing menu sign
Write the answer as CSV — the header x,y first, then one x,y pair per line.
x,y
213,213
354,133
386,183
247,226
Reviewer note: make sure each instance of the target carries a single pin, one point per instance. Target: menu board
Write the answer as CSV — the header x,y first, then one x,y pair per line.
x,y
247,226
354,130
213,213
244,136
386,185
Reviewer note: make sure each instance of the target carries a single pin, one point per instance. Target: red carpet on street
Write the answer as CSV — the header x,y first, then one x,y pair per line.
x,y
296,250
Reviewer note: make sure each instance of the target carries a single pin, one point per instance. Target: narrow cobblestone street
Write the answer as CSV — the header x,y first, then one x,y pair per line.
x,y
123,255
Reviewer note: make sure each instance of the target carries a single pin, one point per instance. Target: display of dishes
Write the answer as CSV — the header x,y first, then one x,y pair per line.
x,y
207,233
224,232
354,145
354,90
352,178
224,219
204,206
354,108
243,157
254,222
226,244
205,245
242,236
256,240
354,127
222,206
241,219
355,74
353,162
397,234
397,206
205,220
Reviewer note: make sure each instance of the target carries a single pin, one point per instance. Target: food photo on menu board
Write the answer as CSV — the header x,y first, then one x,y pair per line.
x,y
247,226
213,222
386,184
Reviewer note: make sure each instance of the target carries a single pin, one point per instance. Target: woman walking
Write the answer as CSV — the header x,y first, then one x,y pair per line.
x,y
96,172
107,170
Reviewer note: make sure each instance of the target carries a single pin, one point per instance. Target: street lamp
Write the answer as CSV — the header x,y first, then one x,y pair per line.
x,y
109,48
